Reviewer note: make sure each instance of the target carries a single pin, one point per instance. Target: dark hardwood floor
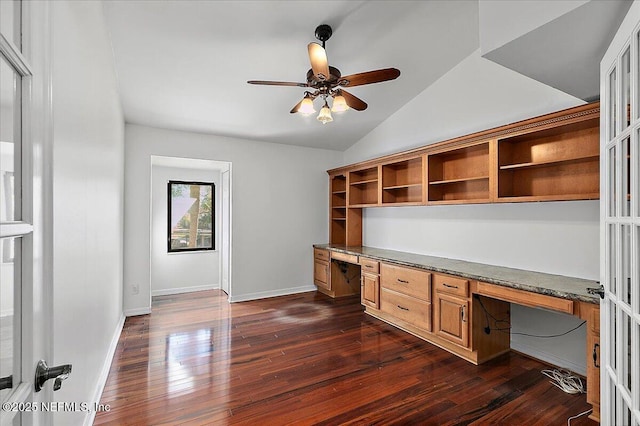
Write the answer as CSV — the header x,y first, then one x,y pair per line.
x,y
308,359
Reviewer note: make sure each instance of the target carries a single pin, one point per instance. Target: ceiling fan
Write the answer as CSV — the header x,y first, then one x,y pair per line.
x,y
328,82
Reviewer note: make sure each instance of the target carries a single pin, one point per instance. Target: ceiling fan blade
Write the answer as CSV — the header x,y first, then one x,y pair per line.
x,y
369,77
319,62
297,107
353,101
278,83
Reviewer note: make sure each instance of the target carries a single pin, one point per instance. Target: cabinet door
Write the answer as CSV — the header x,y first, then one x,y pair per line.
x,y
371,290
593,363
321,274
452,319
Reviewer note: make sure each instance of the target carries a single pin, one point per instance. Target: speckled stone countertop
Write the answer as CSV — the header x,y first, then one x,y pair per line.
x,y
537,282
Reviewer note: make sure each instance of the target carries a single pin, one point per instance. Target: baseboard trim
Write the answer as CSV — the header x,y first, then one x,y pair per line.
x,y
137,311
104,373
552,359
271,293
179,290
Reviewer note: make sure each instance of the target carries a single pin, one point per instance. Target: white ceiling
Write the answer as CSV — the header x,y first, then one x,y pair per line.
x,y
184,64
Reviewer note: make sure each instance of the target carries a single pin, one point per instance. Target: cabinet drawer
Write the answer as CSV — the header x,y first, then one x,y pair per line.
x,y
369,266
408,281
406,308
452,285
349,258
321,254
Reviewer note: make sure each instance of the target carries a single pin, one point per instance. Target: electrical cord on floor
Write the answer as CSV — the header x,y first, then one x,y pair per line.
x,y
565,380
578,415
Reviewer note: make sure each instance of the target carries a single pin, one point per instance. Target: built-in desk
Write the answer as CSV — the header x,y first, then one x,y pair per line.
x,y
447,302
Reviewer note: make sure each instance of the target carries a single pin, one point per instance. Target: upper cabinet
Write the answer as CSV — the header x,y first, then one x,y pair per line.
x,y
363,187
554,157
402,182
558,163
459,175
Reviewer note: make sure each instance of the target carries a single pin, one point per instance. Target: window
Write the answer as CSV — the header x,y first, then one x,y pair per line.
x,y
191,216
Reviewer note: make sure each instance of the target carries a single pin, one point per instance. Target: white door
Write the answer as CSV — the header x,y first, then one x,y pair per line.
x,y
620,224
225,211
24,307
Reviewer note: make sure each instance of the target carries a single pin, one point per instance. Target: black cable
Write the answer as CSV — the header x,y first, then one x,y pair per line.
x,y
543,337
488,314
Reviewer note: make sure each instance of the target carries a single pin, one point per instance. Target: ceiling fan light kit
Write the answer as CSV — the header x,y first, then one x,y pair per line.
x,y
328,82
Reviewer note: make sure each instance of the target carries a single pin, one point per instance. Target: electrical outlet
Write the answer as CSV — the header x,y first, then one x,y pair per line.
x,y
135,289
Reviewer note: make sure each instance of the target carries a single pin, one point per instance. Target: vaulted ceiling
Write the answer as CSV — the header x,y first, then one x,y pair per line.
x,y
184,65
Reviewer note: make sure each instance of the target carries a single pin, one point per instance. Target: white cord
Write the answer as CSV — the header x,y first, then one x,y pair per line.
x,y
577,415
565,380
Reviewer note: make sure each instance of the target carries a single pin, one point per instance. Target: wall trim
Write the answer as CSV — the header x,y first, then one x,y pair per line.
x,y
179,290
271,293
137,311
104,373
547,357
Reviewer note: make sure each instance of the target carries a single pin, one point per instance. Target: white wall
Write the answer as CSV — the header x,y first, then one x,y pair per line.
x,y
181,272
503,21
554,237
88,146
280,208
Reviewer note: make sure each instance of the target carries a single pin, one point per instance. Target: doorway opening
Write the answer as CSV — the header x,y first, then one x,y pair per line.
x,y
174,272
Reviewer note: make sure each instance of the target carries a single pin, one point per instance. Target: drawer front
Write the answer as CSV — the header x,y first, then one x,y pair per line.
x,y
406,308
369,266
349,258
321,254
411,282
451,285
525,297
321,274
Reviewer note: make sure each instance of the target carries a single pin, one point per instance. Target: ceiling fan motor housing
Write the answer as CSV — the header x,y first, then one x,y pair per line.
x,y
323,33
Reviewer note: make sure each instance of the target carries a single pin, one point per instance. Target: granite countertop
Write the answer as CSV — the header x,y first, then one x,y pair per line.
x,y
537,282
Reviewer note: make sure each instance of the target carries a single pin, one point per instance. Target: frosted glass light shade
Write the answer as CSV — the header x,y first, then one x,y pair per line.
x,y
339,104
306,107
325,115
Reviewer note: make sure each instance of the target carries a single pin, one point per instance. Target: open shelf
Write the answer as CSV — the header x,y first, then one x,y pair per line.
x,y
562,162
364,182
444,182
550,162
338,231
363,187
338,211
402,182
460,174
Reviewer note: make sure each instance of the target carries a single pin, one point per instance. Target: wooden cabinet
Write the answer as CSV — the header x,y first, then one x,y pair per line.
x,y
370,283
338,209
451,311
593,362
321,271
554,157
405,293
363,187
459,175
402,182
557,163
345,227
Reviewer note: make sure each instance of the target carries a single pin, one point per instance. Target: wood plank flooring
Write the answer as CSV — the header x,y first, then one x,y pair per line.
x,y
309,359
